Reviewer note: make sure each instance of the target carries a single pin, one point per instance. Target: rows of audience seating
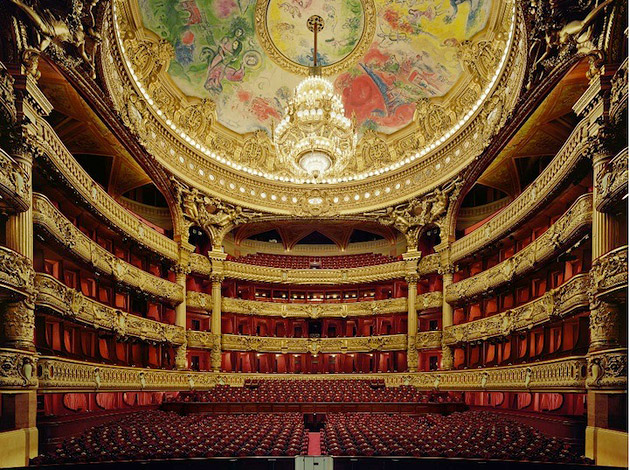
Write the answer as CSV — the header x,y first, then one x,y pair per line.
x,y
314,262
471,434
156,434
316,391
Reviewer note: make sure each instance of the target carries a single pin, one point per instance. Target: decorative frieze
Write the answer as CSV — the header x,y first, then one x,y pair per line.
x,y
610,272
17,369
612,183
59,158
557,238
554,304
15,185
552,179
561,375
55,223
75,306
314,345
429,340
608,370
16,273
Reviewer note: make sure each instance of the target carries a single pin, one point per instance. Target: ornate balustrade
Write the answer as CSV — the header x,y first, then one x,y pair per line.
x,y
73,305
102,204
612,184
610,272
16,273
203,301
17,369
533,198
429,264
561,375
558,237
64,232
429,340
566,374
200,264
15,185
306,345
608,369
555,304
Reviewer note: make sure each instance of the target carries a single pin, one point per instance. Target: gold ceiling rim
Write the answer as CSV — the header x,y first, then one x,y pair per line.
x,y
134,95
269,46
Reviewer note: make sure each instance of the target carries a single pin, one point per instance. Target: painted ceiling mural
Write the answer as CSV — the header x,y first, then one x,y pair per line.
x,y
411,53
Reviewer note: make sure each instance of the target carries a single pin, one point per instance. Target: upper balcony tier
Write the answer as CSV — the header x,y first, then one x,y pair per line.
x,y
315,262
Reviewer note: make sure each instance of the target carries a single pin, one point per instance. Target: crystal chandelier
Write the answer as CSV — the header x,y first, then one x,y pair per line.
x,y
315,135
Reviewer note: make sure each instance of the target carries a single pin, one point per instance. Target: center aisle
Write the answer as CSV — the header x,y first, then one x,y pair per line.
x,y
314,443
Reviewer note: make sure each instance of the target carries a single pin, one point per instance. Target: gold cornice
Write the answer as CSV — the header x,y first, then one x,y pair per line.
x,y
554,304
66,166
533,198
308,345
445,160
75,306
557,238
64,232
561,375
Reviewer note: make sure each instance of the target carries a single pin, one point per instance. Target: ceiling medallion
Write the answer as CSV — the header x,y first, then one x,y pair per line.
x,y
315,135
350,32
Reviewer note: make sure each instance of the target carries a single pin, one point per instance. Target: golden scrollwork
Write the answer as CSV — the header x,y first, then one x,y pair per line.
x,y
429,340
608,369
18,369
610,272
559,236
612,182
72,304
63,231
15,184
556,303
16,272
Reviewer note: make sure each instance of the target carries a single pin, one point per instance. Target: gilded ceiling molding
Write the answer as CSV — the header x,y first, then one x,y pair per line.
x,y
560,375
553,305
612,183
565,231
610,273
64,232
556,175
411,217
73,305
307,345
63,164
235,186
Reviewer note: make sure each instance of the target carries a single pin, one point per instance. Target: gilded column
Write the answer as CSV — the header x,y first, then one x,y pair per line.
x,y
412,322
181,271
215,327
446,269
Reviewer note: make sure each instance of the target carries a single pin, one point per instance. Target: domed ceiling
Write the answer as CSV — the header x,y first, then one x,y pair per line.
x,y
383,56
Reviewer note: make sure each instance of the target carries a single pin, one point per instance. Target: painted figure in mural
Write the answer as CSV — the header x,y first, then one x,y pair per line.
x,y
228,52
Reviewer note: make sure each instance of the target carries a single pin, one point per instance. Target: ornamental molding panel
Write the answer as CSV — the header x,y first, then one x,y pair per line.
x,y
429,340
59,374
565,231
612,183
16,274
73,305
556,175
553,305
313,345
65,233
59,159
610,273
182,132
619,92
15,185
429,264
608,370
18,369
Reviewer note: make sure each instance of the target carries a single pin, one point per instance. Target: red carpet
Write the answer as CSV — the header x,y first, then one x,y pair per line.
x,y
314,444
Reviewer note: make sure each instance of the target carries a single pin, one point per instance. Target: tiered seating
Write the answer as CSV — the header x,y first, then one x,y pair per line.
x,y
161,435
481,435
315,391
314,262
